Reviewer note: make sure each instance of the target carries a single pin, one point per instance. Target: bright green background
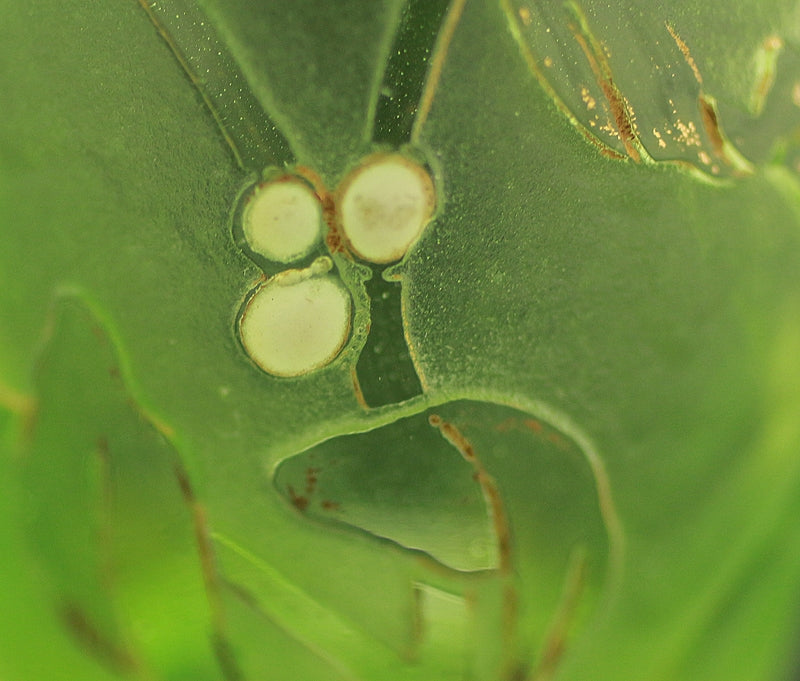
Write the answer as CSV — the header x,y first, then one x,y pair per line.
x,y
650,312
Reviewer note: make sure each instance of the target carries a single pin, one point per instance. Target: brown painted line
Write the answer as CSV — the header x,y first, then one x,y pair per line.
x,y
337,243
176,51
721,146
623,120
121,656
602,482
556,640
212,580
494,500
711,124
196,510
511,666
117,658
335,239
362,402
708,113
226,657
488,485
533,66
202,534
443,41
687,54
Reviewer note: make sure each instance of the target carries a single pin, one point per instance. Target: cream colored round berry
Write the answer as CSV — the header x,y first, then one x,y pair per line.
x,y
296,322
384,206
282,220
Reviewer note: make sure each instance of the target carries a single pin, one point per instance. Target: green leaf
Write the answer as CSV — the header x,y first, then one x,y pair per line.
x,y
107,514
561,440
